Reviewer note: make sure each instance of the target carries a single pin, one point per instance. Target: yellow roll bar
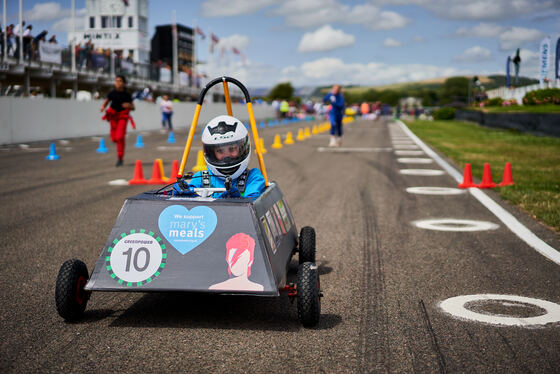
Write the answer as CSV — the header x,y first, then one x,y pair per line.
x,y
194,123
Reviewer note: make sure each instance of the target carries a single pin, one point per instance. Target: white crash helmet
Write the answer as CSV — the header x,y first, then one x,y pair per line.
x,y
226,136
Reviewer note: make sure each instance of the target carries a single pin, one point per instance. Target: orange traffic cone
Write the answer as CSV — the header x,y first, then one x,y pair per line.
x,y
175,169
263,149
467,178
289,138
314,130
507,179
487,178
156,175
138,174
277,142
300,135
162,173
200,163
307,133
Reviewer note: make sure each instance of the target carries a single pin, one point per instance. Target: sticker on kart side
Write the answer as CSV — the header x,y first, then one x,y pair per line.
x,y
136,258
268,234
186,229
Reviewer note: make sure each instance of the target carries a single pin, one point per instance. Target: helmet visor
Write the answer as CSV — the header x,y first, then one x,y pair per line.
x,y
227,154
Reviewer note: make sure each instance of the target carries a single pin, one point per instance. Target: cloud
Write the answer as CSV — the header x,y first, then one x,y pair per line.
x,y
314,13
418,39
334,70
325,39
390,42
479,9
474,54
49,11
515,37
230,8
240,42
482,30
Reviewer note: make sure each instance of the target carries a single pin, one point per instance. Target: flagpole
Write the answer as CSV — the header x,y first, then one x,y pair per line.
x,y
20,36
193,68
72,41
175,55
5,32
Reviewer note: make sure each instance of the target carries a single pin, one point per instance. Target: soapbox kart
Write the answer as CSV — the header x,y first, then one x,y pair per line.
x,y
165,242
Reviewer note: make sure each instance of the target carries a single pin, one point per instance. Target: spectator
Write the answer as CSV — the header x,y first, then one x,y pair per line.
x,y
17,33
166,107
284,108
10,39
41,37
118,114
53,39
336,100
27,39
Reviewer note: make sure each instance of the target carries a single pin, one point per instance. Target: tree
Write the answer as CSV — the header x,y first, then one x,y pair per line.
x,y
282,91
455,89
390,97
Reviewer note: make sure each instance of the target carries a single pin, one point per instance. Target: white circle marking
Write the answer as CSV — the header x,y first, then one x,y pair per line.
x,y
435,190
456,307
452,224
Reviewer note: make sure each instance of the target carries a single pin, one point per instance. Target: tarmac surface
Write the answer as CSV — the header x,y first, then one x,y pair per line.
x,y
383,278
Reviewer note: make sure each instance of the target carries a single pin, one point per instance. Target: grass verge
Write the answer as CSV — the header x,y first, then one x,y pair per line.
x,y
535,162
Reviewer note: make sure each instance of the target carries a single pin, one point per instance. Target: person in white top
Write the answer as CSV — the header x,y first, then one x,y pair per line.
x,y
166,107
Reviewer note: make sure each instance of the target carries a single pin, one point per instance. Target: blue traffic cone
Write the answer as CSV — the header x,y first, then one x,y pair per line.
x,y
102,147
262,125
171,138
139,142
52,154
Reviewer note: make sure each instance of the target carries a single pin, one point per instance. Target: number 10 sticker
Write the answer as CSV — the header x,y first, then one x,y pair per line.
x,y
136,258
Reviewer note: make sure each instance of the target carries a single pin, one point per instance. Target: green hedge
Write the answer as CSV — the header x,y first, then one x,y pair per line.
x,y
539,97
444,113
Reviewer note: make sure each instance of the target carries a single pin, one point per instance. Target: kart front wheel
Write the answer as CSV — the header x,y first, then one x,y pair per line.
x,y
70,296
308,294
307,245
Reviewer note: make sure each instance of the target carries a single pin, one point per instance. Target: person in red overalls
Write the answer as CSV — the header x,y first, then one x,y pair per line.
x,y
118,114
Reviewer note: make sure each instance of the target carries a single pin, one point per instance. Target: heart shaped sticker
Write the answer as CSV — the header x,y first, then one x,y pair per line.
x,y
187,229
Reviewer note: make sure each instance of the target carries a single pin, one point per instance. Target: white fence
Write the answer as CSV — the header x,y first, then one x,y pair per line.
x,y
517,93
27,120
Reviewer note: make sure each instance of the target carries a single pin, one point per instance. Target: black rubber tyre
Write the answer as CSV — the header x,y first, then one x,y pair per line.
x,y
307,245
308,294
71,299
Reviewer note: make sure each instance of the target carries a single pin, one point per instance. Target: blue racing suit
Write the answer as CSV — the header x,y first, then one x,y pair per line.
x,y
336,113
254,185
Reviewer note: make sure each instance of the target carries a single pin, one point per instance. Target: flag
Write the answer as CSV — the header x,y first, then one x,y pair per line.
x,y
215,40
238,52
545,59
198,31
508,64
557,71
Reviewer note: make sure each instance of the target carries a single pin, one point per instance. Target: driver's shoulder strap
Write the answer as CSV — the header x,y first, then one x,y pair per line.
x,y
205,179
242,181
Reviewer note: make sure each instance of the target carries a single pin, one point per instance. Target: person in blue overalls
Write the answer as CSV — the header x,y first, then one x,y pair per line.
x,y
336,100
227,151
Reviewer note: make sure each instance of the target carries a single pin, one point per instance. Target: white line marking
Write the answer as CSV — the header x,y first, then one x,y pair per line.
x,y
402,142
508,219
329,149
429,172
417,160
452,224
409,153
405,146
456,307
118,182
435,190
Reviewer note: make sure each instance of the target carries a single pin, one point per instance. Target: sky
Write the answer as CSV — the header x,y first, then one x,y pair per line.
x,y
358,42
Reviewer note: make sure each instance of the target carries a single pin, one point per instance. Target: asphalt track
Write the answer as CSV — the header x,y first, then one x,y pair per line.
x,y
383,278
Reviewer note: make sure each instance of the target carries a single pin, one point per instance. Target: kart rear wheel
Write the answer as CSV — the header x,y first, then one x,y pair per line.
x,y
70,296
308,294
307,245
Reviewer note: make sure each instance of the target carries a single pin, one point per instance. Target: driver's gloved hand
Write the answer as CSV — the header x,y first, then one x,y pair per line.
x,y
232,192
184,189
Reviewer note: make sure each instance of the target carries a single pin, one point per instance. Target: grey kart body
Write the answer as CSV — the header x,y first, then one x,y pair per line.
x,y
172,243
